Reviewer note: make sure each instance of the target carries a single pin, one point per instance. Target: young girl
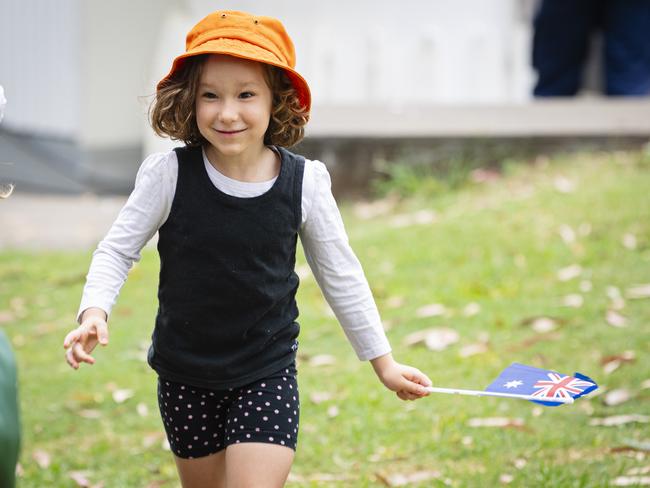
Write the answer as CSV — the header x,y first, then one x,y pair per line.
x,y
228,208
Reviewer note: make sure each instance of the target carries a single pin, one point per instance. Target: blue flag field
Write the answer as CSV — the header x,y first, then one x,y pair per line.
x,y
527,380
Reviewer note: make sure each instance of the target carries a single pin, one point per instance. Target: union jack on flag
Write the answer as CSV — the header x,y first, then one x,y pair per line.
x,y
528,380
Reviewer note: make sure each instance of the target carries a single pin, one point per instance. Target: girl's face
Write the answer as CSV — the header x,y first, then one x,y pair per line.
x,y
233,106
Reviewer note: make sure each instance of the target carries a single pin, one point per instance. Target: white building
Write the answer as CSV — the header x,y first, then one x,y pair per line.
x,y
79,74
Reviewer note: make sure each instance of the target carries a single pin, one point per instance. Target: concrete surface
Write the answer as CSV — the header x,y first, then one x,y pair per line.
x,y
56,222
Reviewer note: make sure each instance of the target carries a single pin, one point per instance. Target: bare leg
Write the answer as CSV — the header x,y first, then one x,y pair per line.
x,y
204,472
255,464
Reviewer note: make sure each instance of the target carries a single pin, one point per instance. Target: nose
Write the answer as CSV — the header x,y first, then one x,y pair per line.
x,y
228,112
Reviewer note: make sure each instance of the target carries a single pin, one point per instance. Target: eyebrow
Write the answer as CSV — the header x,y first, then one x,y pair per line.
x,y
240,85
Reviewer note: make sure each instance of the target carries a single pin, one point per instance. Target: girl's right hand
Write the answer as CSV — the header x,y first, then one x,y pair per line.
x,y
81,341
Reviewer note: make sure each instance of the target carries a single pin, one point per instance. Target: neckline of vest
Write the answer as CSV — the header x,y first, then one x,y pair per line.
x,y
243,200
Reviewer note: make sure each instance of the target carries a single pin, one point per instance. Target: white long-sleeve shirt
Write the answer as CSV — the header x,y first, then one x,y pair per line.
x,y
325,242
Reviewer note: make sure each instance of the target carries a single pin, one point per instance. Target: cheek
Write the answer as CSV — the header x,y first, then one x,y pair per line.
x,y
200,112
205,117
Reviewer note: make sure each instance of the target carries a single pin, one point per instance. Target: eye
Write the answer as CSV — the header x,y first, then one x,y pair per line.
x,y
247,94
208,95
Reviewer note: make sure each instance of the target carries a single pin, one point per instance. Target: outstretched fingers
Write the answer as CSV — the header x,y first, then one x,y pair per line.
x,y
72,337
81,341
76,355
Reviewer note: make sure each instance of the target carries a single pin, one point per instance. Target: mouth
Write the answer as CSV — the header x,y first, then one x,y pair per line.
x,y
229,132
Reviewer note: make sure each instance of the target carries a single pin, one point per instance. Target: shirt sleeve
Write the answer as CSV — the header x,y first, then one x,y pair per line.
x,y
337,269
143,214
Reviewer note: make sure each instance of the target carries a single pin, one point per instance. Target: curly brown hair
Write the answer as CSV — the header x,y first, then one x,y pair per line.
x,y
172,111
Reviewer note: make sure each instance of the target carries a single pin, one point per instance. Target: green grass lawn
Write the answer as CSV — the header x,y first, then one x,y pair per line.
x,y
498,244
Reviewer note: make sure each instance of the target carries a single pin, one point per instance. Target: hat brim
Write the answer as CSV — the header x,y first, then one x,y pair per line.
x,y
244,50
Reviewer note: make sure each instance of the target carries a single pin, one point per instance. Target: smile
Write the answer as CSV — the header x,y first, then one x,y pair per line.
x,y
229,132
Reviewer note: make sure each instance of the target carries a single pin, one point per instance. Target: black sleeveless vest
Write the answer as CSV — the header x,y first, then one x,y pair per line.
x,y
227,310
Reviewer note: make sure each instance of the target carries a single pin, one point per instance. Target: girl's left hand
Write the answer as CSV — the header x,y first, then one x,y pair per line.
x,y
408,382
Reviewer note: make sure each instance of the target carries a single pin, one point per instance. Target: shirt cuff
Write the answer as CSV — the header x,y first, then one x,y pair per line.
x,y
86,304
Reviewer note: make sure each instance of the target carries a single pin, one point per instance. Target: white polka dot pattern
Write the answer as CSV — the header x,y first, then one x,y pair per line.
x,y
262,411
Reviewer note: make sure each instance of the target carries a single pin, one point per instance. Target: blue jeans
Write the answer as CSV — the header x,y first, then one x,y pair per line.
x,y
561,42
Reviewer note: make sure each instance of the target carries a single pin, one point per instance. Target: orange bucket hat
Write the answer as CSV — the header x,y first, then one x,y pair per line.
x,y
243,35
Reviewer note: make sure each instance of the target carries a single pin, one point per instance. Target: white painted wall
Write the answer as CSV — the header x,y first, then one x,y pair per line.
x,y
408,52
78,69
120,37
39,65
83,68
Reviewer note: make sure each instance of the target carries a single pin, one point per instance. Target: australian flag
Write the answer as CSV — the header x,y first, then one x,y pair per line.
x,y
527,380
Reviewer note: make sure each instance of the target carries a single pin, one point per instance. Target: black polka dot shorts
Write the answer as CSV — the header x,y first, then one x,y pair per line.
x,y
200,421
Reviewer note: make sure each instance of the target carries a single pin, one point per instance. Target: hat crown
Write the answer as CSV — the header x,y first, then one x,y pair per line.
x,y
265,32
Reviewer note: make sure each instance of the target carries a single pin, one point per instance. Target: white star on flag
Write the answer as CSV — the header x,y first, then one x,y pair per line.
x,y
513,384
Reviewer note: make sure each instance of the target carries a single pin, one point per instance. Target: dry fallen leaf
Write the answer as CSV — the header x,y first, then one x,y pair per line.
x,y
327,310
506,478
567,234
616,301
395,302
564,185
520,463
142,410
471,309
473,349
90,414
151,438
629,241
421,217
81,478
120,396
404,479
431,310
435,339
165,445
616,420
616,397
615,319
612,363
631,481
586,286
322,360
304,272
634,445
156,484
584,229
638,291
569,273
496,422
320,396
6,316
542,325
42,458
375,208
484,175
574,300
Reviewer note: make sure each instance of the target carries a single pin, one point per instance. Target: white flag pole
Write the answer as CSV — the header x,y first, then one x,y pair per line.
x,y
456,391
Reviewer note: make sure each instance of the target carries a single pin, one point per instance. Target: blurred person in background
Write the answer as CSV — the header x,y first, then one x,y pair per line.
x,y
563,30
9,420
